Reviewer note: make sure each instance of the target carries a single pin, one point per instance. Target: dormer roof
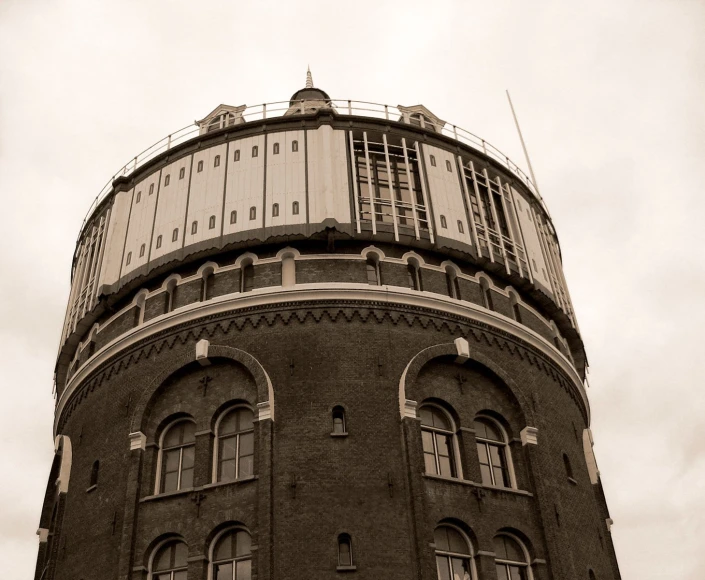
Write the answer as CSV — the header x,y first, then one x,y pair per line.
x,y
409,114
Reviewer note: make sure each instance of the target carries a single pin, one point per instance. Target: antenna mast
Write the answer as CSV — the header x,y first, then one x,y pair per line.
x,y
523,145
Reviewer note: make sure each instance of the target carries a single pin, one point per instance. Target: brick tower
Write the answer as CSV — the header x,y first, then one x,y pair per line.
x,y
318,339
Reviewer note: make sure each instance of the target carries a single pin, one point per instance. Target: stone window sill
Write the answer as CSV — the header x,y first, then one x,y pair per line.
x,y
469,483
92,487
346,568
200,488
573,481
344,434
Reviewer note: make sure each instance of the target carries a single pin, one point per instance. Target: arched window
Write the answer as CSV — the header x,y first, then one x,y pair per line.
x,y
175,235
461,228
129,258
448,166
167,179
275,149
170,562
453,554
170,292
236,156
345,555
247,282
199,167
211,222
216,161
206,283
438,440
151,188
159,241
591,575
492,452
414,276
275,210
253,212
486,294
444,223
176,456
433,160
568,467
294,146
139,197
95,469
338,421
232,556
295,208
233,217
511,561
194,228
182,173
255,151
141,250
373,272
516,310
452,284
235,449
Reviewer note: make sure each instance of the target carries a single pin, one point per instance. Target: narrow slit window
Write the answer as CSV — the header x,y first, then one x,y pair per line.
x,y
248,278
275,210
294,146
211,222
461,228
373,277
486,294
216,161
95,470
345,559
453,285
233,217
414,276
338,421
182,173
444,222
448,166
568,467
275,149
141,250
433,160
253,213
295,208
517,311
139,197
159,241
129,258
194,228
199,167
151,188
167,179
255,151
175,235
236,157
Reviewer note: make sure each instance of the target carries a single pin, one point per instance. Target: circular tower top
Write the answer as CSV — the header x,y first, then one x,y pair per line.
x,y
308,93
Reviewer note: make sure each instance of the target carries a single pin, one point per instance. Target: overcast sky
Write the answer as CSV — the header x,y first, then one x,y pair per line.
x,y
610,95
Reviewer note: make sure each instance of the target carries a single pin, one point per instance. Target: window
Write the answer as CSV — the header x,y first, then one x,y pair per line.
x,y
182,173
510,559
167,179
211,222
461,228
275,149
235,451
433,160
295,208
516,311
453,554
414,276
159,241
175,235
373,272
151,188
438,440
248,278
453,284
232,556
568,467
253,212
95,469
169,562
294,146
345,556
275,210
233,217
129,258
236,157
338,421
177,456
141,250
486,294
139,196
591,575
492,452
444,223
255,151
448,166
199,167
216,161
194,228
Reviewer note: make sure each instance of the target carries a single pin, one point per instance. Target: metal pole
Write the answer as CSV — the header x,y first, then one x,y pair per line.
x,y
523,145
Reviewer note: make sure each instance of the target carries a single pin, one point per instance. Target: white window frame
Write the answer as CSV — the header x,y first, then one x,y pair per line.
x,y
454,442
505,450
216,447
211,549
527,556
470,556
160,457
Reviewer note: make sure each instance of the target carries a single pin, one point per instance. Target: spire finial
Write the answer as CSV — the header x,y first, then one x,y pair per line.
x,y
309,78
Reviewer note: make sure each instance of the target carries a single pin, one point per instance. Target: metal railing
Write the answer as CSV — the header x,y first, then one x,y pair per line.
x,y
341,107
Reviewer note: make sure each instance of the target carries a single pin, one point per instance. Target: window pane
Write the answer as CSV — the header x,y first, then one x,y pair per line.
x,y
188,455
246,466
180,555
486,475
443,568
445,466
426,416
461,569
243,543
224,571
228,448
170,482
517,573
482,454
244,570
171,460
246,444
187,478
162,560
166,576
245,417
443,444
338,425
495,455
512,550
227,470
223,549
427,440
457,542
430,463
500,476
439,420
173,436
501,572
189,432
344,553
440,537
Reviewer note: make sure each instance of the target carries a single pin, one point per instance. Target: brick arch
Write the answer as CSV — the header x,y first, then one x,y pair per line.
x,y
265,391
463,351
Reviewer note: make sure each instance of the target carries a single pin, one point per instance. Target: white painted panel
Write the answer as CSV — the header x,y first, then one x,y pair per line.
x,y
531,239
141,219
171,209
446,195
115,240
206,197
328,188
286,179
245,186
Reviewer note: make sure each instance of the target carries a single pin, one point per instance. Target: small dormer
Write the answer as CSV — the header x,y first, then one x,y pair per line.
x,y
222,116
421,117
